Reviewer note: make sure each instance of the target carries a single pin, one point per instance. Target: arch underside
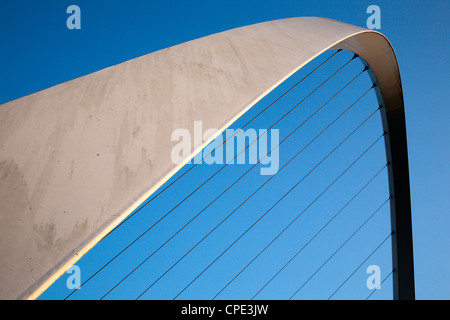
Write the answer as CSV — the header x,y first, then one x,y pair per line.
x,y
76,159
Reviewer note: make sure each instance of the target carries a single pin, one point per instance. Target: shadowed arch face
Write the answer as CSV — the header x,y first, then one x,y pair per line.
x,y
214,79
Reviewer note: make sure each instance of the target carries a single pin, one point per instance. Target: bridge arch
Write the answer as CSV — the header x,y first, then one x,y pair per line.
x,y
215,79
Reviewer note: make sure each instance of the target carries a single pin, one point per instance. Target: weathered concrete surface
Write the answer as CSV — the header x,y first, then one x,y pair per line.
x,y
77,158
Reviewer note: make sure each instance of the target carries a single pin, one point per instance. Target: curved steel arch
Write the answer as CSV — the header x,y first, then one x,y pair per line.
x,y
76,159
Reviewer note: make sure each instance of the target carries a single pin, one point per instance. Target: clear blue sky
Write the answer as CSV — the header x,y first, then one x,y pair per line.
x,y
38,51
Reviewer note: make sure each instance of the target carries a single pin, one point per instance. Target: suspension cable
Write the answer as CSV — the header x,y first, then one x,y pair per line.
x,y
362,263
379,286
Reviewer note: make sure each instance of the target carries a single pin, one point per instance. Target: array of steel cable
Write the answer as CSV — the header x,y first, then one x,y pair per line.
x,y
273,206
335,252
257,190
207,180
307,243
224,193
